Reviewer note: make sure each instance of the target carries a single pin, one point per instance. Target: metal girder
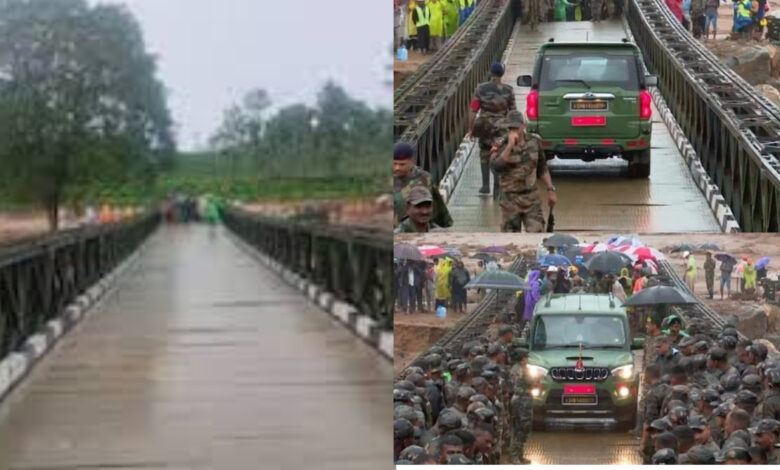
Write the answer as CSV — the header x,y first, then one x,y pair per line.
x,y
353,264
431,108
39,278
734,129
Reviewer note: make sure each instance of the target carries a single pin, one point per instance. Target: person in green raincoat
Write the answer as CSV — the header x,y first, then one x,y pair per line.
x,y
437,23
451,17
560,9
212,211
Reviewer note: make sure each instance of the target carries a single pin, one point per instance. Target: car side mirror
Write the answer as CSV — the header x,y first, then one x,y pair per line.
x,y
638,343
524,80
651,80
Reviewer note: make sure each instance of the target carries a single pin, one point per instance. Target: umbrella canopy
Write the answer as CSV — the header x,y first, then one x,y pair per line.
x,y
661,295
575,255
684,247
407,251
709,246
725,258
554,260
597,247
762,263
453,251
486,257
644,252
432,251
497,280
609,262
625,240
560,239
496,249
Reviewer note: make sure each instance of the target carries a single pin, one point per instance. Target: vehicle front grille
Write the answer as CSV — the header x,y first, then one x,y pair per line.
x,y
590,374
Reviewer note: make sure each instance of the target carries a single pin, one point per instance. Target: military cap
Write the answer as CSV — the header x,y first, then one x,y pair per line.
x,y
680,391
729,331
436,350
477,350
462,368
433,362
513,119
751,380
728,342
751,369
772,376
485,414
733,453
497,69
411,453
722,410
759,350
504,330
405,412
695,394
402,429
767,364
731,383
405,385
661,424
403,151
701,346
710,395
767,425
474,406
402,395
448,421
746,397
698,455
459,459
680,413
478,363
492,367
520,353
689,341
697,423
490,376
419,195
494,349
464,393
738,438
480,398
417,400
665,457
453,364
414,370
718,354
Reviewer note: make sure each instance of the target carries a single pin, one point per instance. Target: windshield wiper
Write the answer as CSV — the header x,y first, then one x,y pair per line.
x,y
574,80
565,346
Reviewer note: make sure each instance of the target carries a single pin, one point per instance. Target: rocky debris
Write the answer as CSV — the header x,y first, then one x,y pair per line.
x,y
773,315
751,61
769,91
753,323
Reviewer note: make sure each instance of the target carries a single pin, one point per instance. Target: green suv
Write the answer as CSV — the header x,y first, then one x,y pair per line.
x,y
581,362
590,100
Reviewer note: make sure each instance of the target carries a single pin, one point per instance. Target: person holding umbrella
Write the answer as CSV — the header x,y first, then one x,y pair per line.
x,y
727,263
709,274
459,277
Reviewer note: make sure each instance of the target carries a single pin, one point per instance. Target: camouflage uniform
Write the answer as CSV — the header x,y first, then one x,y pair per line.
x,y
406,226
401,189
519,199
596,7
649,353
770,405
521,407
651,411
534,12
495,102
709,276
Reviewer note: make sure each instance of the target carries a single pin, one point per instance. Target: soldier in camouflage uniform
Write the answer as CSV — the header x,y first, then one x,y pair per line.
x,y
534,12
651,408
493,100
596,9
519,164
419,206
521,407
406,175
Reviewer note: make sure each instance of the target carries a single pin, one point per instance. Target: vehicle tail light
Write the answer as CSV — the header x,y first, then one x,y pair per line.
x,y
645,108
532,104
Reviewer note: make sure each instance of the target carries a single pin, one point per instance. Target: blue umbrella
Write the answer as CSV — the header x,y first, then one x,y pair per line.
x,y
761,264
554,260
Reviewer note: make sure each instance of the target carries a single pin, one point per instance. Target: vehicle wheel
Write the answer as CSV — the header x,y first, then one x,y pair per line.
x,y
639,166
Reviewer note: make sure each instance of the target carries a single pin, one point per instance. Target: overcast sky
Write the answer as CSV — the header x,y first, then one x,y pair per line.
x,y
210,52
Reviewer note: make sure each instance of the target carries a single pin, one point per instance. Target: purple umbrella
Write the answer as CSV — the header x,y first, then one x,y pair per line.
x,y
496,249
762,263
532,295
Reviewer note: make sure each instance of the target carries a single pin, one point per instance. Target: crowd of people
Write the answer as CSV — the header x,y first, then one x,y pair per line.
x,y
700,17
425,25
708,395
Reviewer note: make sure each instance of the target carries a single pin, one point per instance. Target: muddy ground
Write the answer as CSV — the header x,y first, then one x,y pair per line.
x,y
414,333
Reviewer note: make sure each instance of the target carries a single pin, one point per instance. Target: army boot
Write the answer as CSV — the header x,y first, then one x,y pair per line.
x,y
485,168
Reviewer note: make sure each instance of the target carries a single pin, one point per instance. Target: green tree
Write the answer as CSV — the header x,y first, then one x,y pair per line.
x,y
79,100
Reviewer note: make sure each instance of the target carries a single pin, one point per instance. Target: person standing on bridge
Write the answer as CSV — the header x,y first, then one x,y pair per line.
x,y
709,274
451,18
596,10
520,407
406,175
691,270
436,26
493,100
520,164
421,15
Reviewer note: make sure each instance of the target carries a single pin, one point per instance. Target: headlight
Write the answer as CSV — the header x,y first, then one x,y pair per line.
x,y
624,372
536,372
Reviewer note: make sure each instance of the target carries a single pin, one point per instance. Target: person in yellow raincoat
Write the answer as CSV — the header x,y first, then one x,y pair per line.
x,y
437,23
411,29
443,292
749,273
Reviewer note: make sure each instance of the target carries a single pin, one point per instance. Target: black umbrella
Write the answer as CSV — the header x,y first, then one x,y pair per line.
x,y
485,257
574,252
709,246
407,251
608,262
661,295
560,239
684,247
497,280
725,258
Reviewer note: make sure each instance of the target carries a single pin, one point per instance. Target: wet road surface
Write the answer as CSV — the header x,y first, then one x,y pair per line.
x,y
582,447
202,358
594,196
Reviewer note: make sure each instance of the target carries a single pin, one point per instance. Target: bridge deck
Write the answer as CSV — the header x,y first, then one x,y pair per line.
x,y
592,196
201,358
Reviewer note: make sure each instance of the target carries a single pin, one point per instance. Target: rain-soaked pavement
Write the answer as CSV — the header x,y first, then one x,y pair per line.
x,y
592,196
582,447
202,358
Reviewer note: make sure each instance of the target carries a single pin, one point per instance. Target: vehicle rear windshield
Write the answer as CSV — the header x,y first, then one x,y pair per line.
x,y
592,68
569,331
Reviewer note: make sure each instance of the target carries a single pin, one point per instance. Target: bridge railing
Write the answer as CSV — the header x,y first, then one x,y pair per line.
x,y
40,277
355,265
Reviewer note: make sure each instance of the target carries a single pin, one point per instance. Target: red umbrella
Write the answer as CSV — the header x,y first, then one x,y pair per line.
x,y
430,251
645,252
